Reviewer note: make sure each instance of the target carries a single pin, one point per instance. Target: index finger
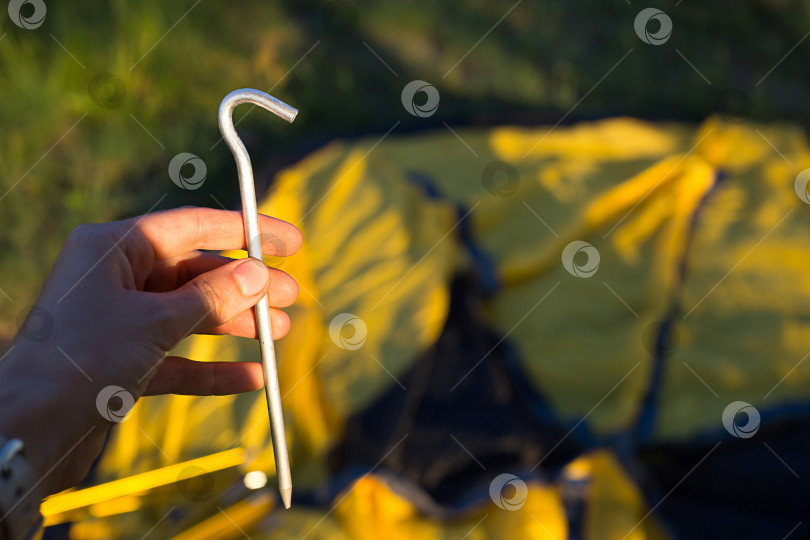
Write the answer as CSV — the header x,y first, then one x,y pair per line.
x,y
178,231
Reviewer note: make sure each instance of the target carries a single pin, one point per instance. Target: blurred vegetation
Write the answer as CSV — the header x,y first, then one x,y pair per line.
x,y
177,63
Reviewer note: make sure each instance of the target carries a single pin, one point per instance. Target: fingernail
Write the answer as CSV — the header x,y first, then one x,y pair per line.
x,y
252,276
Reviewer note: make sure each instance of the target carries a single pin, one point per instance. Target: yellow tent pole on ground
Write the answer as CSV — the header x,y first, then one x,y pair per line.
x,y
55,507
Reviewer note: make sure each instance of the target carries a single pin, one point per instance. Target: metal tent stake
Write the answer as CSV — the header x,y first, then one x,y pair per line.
x,y
254,245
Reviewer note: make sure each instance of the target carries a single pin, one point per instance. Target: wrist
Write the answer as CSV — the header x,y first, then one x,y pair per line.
x,y
19,495
30,409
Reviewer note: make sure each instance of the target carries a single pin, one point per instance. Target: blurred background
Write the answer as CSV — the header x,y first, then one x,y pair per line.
x,y
530,69
97,98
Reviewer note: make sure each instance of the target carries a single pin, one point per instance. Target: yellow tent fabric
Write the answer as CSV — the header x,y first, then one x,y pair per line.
x,y
581,181
743,326
377,248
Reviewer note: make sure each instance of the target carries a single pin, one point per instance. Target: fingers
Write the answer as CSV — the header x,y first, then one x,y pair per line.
x,y
175,232
177,375
170,274
216,297
244,325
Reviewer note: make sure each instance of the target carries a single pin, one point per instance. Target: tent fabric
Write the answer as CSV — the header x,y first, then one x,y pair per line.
x,y
605,394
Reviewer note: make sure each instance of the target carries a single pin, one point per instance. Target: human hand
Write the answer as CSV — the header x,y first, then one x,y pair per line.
x,y
119,297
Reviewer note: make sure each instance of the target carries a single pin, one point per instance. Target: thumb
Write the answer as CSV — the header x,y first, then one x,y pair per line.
x,y
217,296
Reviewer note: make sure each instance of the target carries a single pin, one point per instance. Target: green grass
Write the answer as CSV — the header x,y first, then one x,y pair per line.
x,y
532,68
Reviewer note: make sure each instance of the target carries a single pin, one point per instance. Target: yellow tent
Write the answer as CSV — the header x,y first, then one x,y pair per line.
x,y
612,277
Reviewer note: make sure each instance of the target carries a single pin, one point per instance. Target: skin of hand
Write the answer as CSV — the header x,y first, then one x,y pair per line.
x,y
120,296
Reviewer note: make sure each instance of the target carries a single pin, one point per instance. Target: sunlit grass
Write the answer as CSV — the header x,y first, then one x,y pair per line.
x,y
533,67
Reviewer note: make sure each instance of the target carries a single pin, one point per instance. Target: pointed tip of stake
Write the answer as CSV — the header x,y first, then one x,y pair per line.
x,y
286,495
